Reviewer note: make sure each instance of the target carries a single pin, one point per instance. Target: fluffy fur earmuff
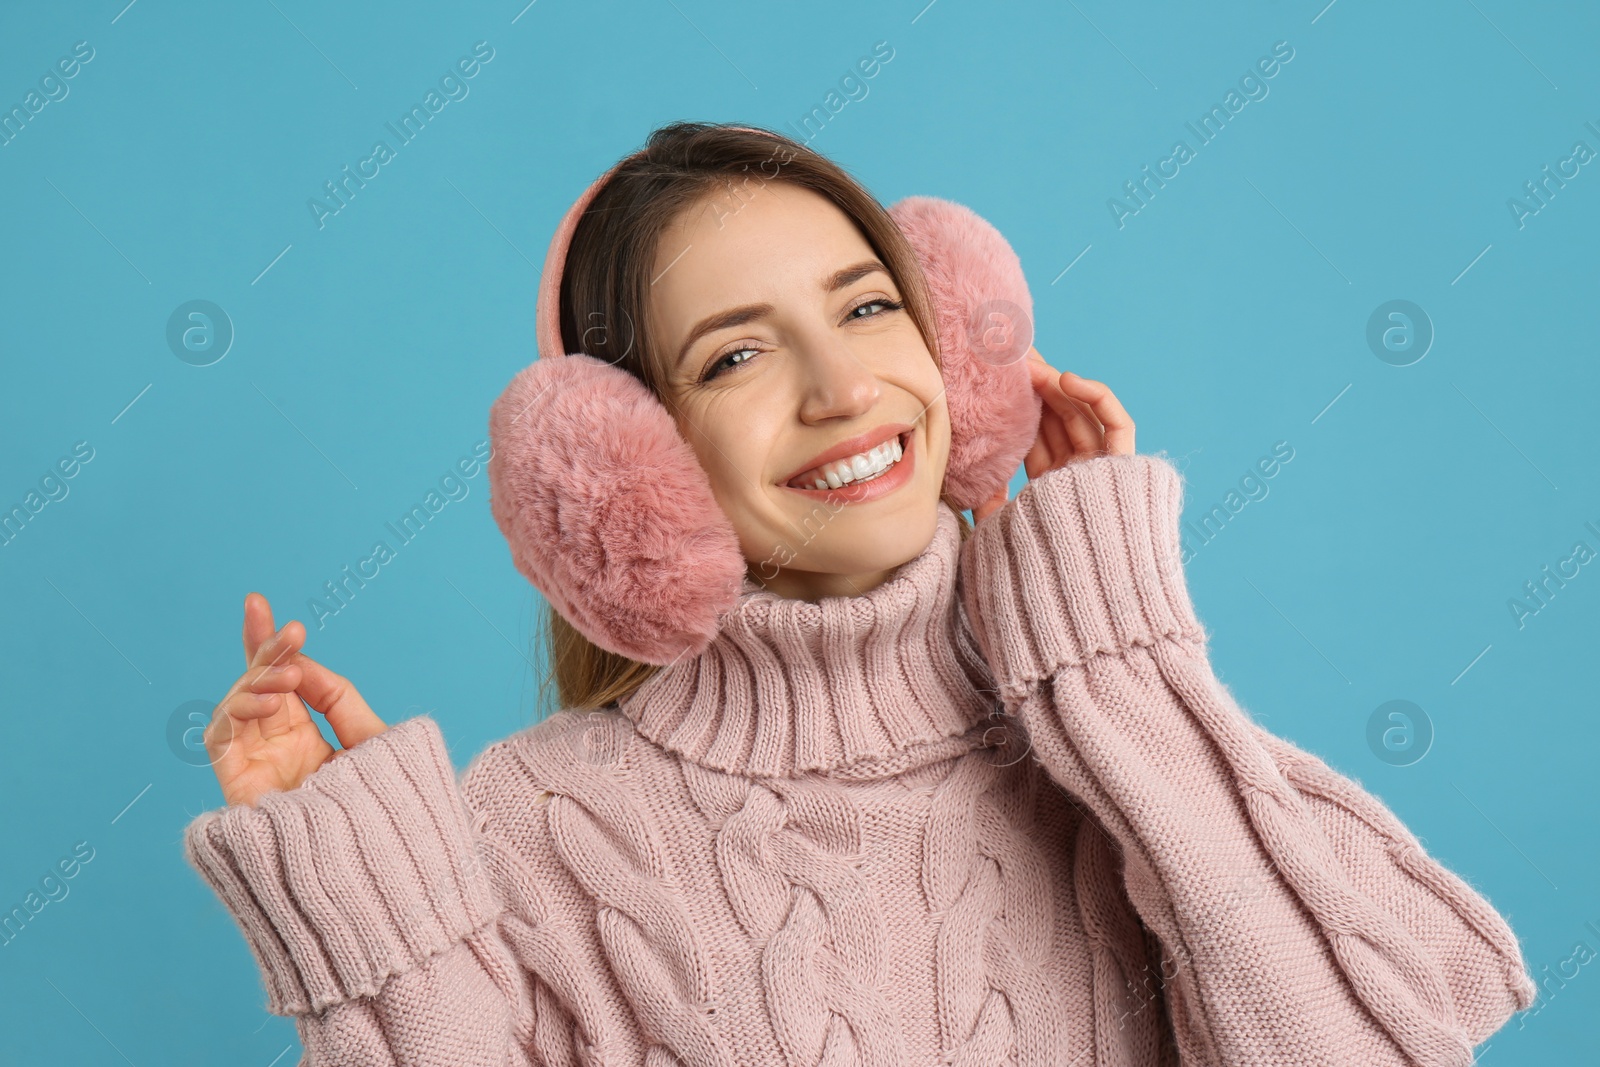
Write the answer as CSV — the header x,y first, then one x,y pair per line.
x,y
983,315
608,510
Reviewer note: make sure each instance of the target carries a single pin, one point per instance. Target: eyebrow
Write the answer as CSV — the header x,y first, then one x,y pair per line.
x,y
738,316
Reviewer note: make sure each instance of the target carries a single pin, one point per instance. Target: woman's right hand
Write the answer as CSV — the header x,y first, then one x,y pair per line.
x,y
261,736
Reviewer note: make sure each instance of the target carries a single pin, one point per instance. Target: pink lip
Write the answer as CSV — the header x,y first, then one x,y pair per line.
x,y
849,447
862,492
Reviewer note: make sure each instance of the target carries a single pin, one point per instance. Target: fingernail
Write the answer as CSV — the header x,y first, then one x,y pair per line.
x,y
277,670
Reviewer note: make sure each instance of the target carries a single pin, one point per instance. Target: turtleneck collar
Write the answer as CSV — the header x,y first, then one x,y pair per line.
x,y
855,686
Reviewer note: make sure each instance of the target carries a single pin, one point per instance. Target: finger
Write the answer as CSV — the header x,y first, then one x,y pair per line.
x,y
258,624
283,678
246,704
353,721
1070,427
1052,428
280,648
1080,429
220,732
1040,457
1119,425
1088,436
1090,415
265,692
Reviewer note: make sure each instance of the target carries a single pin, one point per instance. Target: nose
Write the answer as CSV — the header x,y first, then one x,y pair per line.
x,y
838,383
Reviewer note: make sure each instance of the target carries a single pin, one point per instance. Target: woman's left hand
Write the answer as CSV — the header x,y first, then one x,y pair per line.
x,y
1081,419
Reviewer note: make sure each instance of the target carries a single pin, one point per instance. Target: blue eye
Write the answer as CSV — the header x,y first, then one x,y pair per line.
x,y
715,369
887,305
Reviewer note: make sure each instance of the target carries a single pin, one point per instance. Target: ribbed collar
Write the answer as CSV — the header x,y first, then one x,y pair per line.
x,y
855,686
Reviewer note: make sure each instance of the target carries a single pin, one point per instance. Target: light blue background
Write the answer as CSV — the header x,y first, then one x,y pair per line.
x,y
1229,314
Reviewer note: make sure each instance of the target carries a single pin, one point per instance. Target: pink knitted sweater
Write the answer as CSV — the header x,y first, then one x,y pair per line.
x,y
825,841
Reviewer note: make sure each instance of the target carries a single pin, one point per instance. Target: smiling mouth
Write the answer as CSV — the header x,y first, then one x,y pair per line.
x,y
904,444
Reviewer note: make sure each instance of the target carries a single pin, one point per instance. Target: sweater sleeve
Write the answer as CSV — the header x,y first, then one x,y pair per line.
x,y
365,897
1300,922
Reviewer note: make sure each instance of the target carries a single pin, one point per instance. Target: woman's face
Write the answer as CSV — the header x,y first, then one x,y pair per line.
x,y
818,357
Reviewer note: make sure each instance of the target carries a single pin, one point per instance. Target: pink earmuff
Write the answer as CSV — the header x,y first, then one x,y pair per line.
x,y
605,505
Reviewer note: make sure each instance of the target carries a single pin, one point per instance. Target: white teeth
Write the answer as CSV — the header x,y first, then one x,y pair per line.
x,y
862,467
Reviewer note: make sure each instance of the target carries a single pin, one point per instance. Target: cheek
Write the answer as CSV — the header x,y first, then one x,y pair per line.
x,y
938,443
929,390
727,439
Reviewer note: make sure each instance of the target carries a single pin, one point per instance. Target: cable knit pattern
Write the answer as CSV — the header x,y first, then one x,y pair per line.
x,y
995,811
786,854
612,846
987,875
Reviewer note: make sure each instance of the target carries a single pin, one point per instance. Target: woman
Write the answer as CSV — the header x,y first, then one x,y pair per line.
x,y
815,839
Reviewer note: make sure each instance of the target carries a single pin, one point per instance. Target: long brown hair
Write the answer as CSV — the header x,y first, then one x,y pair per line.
x,y
605,288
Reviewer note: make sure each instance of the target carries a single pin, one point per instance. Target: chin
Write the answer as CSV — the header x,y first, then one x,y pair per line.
x,y
876,540
815,536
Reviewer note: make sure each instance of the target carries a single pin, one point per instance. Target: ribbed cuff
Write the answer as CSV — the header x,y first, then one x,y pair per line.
x,y
364,871
1086,559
